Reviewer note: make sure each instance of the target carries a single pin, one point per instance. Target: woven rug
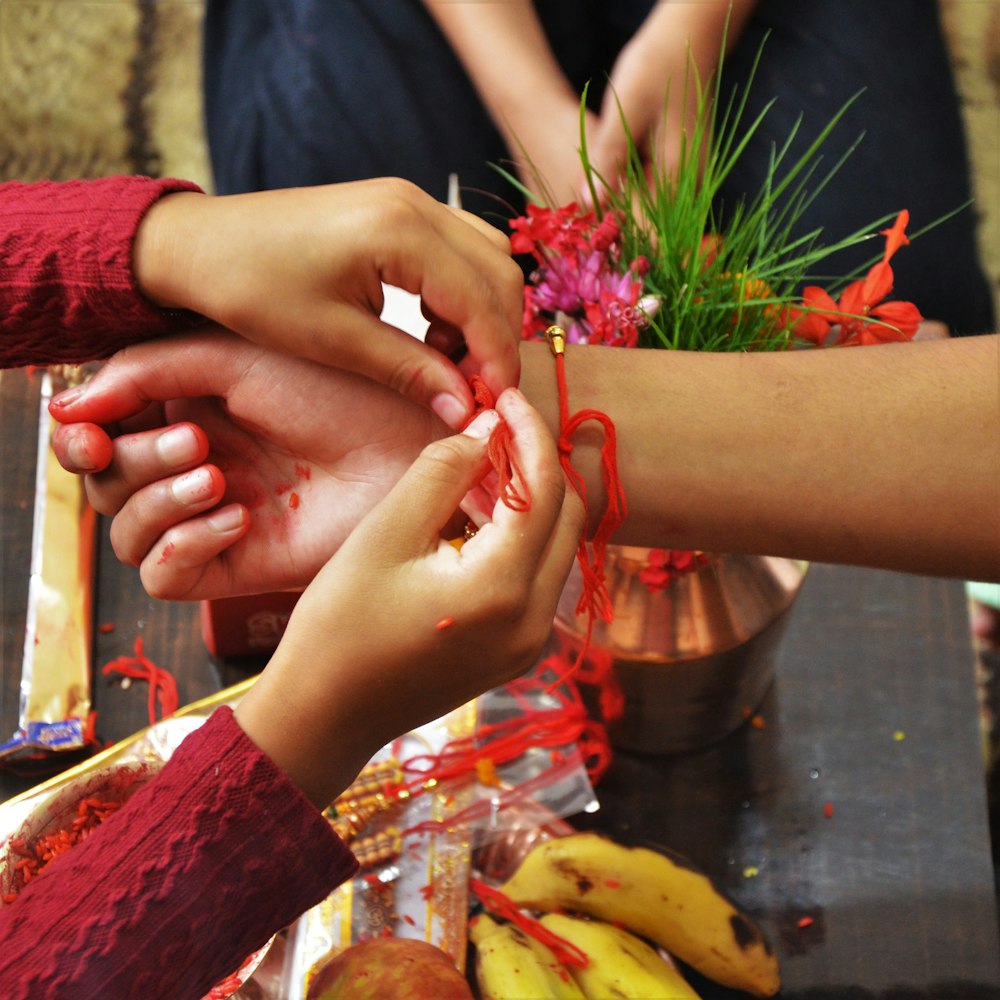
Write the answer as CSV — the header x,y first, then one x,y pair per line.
x,y
91,89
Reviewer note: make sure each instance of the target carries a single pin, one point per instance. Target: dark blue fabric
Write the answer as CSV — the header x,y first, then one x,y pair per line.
x,y
302,92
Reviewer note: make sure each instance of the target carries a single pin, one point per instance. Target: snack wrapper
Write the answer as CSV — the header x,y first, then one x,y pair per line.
x,y
55,700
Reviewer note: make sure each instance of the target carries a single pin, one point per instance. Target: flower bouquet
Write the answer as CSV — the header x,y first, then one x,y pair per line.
x,y
660,263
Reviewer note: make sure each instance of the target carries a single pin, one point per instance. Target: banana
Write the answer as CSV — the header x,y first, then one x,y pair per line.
x,y
512,965
659,897
621,965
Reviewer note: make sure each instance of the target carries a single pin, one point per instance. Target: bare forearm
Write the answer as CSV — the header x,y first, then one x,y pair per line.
x,y
886,456
503,49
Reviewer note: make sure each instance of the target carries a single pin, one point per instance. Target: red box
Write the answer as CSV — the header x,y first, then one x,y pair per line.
x,y
246,626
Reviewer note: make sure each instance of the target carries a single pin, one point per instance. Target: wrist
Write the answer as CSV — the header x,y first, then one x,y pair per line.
x,y
161,251
300,727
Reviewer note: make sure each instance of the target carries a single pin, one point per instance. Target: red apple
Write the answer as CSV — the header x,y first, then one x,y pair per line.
x,y
389,969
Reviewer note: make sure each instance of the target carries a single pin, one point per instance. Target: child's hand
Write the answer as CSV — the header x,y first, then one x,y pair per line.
x,y
400,626
233,469
301,270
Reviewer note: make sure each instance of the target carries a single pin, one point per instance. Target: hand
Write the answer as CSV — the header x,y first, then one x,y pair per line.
x,y
654,84
302,270
401,627
233,469
546,149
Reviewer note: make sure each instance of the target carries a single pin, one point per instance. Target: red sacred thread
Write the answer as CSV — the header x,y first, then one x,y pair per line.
x,y
500,904
594,597
162,686
504,799
598,672
501,452
500,742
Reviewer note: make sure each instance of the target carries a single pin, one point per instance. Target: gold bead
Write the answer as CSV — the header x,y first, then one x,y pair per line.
x,y
556,336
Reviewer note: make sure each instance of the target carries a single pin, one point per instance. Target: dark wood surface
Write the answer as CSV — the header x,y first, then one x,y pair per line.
x,y
873,711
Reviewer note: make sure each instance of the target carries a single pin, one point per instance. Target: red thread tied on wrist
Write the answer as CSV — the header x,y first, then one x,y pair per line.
x,y
594,598
591,557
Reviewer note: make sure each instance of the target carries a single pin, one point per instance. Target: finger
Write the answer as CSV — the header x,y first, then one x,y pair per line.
x,y
388,355
557,560
82,448
142,459
183,563
534,453
180,367
467,280
497,238
154,509
480,291
432,488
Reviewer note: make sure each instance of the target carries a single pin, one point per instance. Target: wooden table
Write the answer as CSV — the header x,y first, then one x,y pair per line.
x,y
874,712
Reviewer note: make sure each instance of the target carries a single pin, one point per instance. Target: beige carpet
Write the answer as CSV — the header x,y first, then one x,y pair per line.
x,y
90,89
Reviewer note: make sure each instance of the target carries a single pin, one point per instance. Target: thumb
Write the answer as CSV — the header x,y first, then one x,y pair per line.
x,y
430,491
190,365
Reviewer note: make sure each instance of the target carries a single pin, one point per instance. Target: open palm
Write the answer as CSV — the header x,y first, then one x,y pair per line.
x,y
304,450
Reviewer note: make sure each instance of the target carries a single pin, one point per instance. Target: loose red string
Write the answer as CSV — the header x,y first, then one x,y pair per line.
x,y
495,901
162,686
513,490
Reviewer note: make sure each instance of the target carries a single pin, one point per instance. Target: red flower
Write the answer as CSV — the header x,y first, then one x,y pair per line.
x,y
542,231
860,313
663,566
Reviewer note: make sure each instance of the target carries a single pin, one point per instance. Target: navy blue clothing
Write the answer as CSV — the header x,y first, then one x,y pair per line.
x,y
302,92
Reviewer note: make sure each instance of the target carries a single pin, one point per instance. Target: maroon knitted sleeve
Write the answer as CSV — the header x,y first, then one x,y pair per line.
x,y
67,291
171,893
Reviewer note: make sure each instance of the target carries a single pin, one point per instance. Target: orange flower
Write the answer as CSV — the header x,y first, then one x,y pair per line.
x,y
860,313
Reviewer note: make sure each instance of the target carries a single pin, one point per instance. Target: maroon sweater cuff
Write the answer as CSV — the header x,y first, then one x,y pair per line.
x,y
67,290
171,893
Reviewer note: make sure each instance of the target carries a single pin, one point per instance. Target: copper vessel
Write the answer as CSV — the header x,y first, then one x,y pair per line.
x,y
695,658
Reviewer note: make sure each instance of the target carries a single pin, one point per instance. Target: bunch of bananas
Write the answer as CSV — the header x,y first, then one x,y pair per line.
x,y
625,900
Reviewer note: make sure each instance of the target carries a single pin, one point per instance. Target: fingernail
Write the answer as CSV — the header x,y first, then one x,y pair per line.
x,y
450,409
68,396
483,423
177,446
192,487
79,455
227,519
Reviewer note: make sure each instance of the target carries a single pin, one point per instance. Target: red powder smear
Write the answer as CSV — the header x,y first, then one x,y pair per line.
x,y
303,471
256,499
828,810
106,627
168,551
445,623
805,922
293,500
282,488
